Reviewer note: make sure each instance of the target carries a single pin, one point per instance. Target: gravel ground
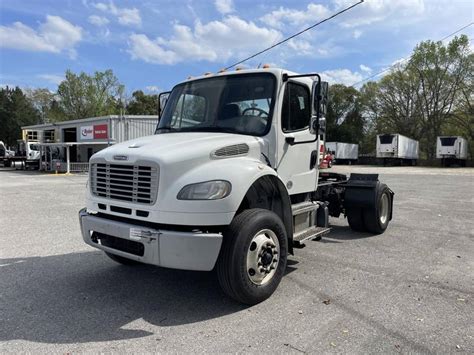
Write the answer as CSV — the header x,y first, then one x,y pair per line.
x,y
409,290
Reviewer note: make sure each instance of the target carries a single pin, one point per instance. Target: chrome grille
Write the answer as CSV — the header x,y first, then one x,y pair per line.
x,y
133,183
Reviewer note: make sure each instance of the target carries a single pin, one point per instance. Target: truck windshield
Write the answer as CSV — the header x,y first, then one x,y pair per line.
x,y
240,104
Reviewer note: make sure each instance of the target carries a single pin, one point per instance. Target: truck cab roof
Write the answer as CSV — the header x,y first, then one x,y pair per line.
x,y
277,72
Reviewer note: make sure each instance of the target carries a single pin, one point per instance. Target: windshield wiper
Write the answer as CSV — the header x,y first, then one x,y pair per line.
x,y
197,129
168,129
209,129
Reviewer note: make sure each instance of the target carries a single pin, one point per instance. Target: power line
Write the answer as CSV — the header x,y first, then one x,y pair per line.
x,y
403,59
296,34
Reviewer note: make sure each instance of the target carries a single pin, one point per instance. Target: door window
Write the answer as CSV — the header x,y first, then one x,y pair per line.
x,y
296,112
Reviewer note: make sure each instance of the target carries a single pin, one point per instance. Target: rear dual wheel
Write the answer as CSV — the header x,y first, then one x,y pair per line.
x,y
373,219
253,256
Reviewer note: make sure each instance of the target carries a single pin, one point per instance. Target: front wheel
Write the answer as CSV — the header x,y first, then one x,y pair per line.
x,y
253,256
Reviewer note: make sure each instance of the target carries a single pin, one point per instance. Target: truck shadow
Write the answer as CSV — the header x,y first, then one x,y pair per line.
x,y
20,171
85,297
340,234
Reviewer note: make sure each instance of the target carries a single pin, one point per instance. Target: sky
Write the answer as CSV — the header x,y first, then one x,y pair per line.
x,y
151,45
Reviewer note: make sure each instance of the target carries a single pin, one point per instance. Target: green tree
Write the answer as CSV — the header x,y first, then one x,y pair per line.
x,y
440,70
46,102
344,121
15,111
84,95
142,104
461,120
371,111
417,99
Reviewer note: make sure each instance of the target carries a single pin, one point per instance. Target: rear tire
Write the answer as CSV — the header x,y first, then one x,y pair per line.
x,y
122,260
252,238
376,218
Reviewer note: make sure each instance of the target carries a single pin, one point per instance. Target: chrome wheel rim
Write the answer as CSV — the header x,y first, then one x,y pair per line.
x,y
384,203
263,256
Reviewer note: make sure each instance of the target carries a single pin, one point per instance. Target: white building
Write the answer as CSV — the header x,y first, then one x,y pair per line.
x,y
78,140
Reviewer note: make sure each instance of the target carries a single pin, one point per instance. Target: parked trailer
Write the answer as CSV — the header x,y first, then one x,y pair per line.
x,y
452,150
397,148
343,153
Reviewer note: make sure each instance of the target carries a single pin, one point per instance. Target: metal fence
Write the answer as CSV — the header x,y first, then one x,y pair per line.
x,y
73,167
79,167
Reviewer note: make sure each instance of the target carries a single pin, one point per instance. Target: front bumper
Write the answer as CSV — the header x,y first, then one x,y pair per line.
x,y
172,249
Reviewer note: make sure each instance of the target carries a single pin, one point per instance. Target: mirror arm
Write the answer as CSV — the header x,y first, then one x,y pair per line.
x,y
318,106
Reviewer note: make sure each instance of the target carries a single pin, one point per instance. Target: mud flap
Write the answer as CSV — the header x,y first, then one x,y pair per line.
x,y
361,192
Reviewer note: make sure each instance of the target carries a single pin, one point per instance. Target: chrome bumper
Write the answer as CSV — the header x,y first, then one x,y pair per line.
x,y
172,249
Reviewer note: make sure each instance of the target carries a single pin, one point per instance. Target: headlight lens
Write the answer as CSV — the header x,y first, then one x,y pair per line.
x,y
209,190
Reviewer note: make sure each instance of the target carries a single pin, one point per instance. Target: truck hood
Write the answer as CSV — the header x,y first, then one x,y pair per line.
x,y
170,148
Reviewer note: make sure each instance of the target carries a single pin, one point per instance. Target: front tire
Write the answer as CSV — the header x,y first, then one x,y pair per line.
x,y
253,256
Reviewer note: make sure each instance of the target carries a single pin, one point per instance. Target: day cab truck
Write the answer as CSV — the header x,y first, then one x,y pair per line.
x,y
26,156
229,181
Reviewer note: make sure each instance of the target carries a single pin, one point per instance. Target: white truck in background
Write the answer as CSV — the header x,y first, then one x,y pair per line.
x,y
343,153
395,148
452,150
27,154
229,181
5,154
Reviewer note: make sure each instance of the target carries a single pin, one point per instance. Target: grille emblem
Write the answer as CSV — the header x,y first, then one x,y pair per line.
x,y
120,157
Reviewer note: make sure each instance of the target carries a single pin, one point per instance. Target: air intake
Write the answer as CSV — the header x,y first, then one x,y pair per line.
x,y
231,151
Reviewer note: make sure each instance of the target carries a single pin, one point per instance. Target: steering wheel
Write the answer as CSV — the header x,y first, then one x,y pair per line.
x,y
259,110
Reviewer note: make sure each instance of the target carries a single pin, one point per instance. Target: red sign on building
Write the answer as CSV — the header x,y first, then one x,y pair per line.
x,y
100,131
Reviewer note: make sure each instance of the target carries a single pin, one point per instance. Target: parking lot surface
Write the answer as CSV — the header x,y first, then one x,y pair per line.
x,y
408,290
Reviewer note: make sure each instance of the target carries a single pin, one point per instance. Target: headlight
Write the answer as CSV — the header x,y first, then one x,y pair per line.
x,y
209,190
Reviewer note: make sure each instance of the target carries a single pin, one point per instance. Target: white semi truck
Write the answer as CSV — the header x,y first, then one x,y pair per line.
x,y
397,149
229,182
343,153
451,150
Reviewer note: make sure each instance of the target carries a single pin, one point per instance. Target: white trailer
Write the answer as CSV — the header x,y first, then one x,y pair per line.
x,y
230,181
451,150
397,148
343,153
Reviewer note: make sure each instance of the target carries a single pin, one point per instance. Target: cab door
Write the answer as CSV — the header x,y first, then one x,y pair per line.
x,y
297,148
